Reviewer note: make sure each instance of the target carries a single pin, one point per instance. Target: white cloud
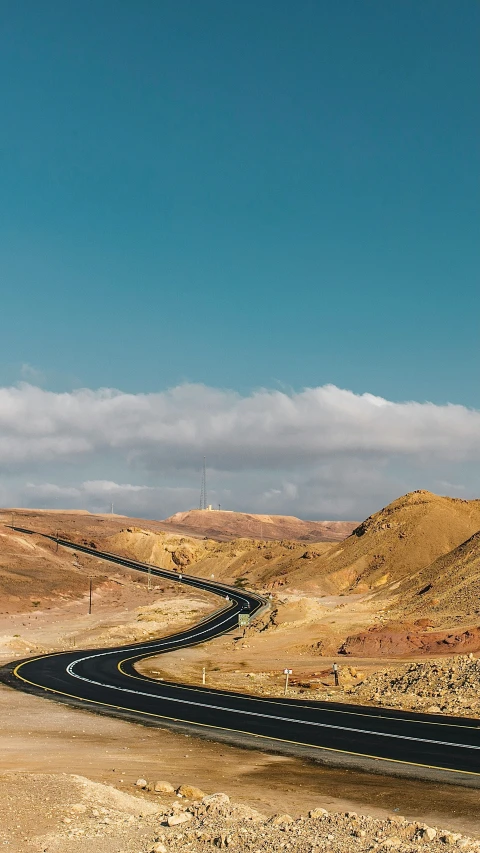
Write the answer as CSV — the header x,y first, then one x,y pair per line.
x,y
270,426
307,452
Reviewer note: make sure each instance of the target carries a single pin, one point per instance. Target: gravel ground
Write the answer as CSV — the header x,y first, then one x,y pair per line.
x,y
58,813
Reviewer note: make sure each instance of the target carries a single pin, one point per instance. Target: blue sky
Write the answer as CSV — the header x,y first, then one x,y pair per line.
x,y
247,195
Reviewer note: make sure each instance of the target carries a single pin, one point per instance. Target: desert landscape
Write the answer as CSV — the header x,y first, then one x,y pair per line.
x,y
239,427
392,600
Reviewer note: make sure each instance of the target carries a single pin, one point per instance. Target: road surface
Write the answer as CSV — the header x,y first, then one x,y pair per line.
x,y
105,680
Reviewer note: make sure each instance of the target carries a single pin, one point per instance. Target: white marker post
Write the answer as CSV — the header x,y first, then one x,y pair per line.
x,y
286,673
203,675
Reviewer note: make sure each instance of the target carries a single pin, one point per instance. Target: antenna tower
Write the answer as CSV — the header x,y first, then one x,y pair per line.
x,y
203,489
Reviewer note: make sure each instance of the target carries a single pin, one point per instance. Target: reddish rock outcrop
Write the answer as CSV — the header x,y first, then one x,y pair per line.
x,y
394,642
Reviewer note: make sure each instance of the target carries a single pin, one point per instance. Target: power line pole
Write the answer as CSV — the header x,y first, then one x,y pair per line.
x,y
90,597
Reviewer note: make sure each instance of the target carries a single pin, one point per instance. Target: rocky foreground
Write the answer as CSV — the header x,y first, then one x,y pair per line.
x,y
73,813
442,686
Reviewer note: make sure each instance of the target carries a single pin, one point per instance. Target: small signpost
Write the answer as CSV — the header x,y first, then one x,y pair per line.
x,y
243,621
286,673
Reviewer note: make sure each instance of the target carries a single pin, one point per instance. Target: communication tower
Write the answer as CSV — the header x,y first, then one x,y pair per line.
x,y
203,489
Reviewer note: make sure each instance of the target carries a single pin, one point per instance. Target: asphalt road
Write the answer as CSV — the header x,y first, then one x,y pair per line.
x,y
106,680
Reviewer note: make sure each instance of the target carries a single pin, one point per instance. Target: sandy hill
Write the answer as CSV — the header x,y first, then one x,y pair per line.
x,y
217,523
394,543
32,572
265,564
447,588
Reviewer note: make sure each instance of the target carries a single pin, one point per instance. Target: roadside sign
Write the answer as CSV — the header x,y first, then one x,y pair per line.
x,y
287,673
243,620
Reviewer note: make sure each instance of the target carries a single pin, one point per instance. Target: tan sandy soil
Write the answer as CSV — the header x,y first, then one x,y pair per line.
x,y
246,525
140,616
75,812
41,736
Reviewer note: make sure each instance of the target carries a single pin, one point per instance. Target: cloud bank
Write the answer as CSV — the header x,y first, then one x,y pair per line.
x,y
302,452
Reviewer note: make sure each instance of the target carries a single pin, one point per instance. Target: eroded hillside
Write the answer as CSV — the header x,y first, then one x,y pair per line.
x,y
218,523
393,544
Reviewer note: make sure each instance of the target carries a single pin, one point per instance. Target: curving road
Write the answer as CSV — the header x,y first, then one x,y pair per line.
x,y
105,680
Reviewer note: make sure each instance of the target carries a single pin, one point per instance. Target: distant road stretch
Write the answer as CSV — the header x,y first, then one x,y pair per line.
x,y
105,680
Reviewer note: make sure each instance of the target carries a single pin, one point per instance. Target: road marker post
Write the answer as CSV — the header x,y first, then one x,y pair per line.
x,y
90,597
286,673
335,673
203,676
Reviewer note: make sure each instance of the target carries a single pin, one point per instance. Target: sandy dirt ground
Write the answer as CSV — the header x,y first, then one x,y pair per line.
x,y
41,736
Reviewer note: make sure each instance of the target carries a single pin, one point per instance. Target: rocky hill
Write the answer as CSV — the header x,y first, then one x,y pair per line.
x,y
217,523
448,587
246,561
393,544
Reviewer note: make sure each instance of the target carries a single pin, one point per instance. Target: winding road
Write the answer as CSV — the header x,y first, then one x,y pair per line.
x,y
106,681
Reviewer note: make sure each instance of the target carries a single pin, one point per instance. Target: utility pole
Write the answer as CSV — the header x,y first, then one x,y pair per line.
x,y
286,673
56,539
149,579
112,508
90,597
